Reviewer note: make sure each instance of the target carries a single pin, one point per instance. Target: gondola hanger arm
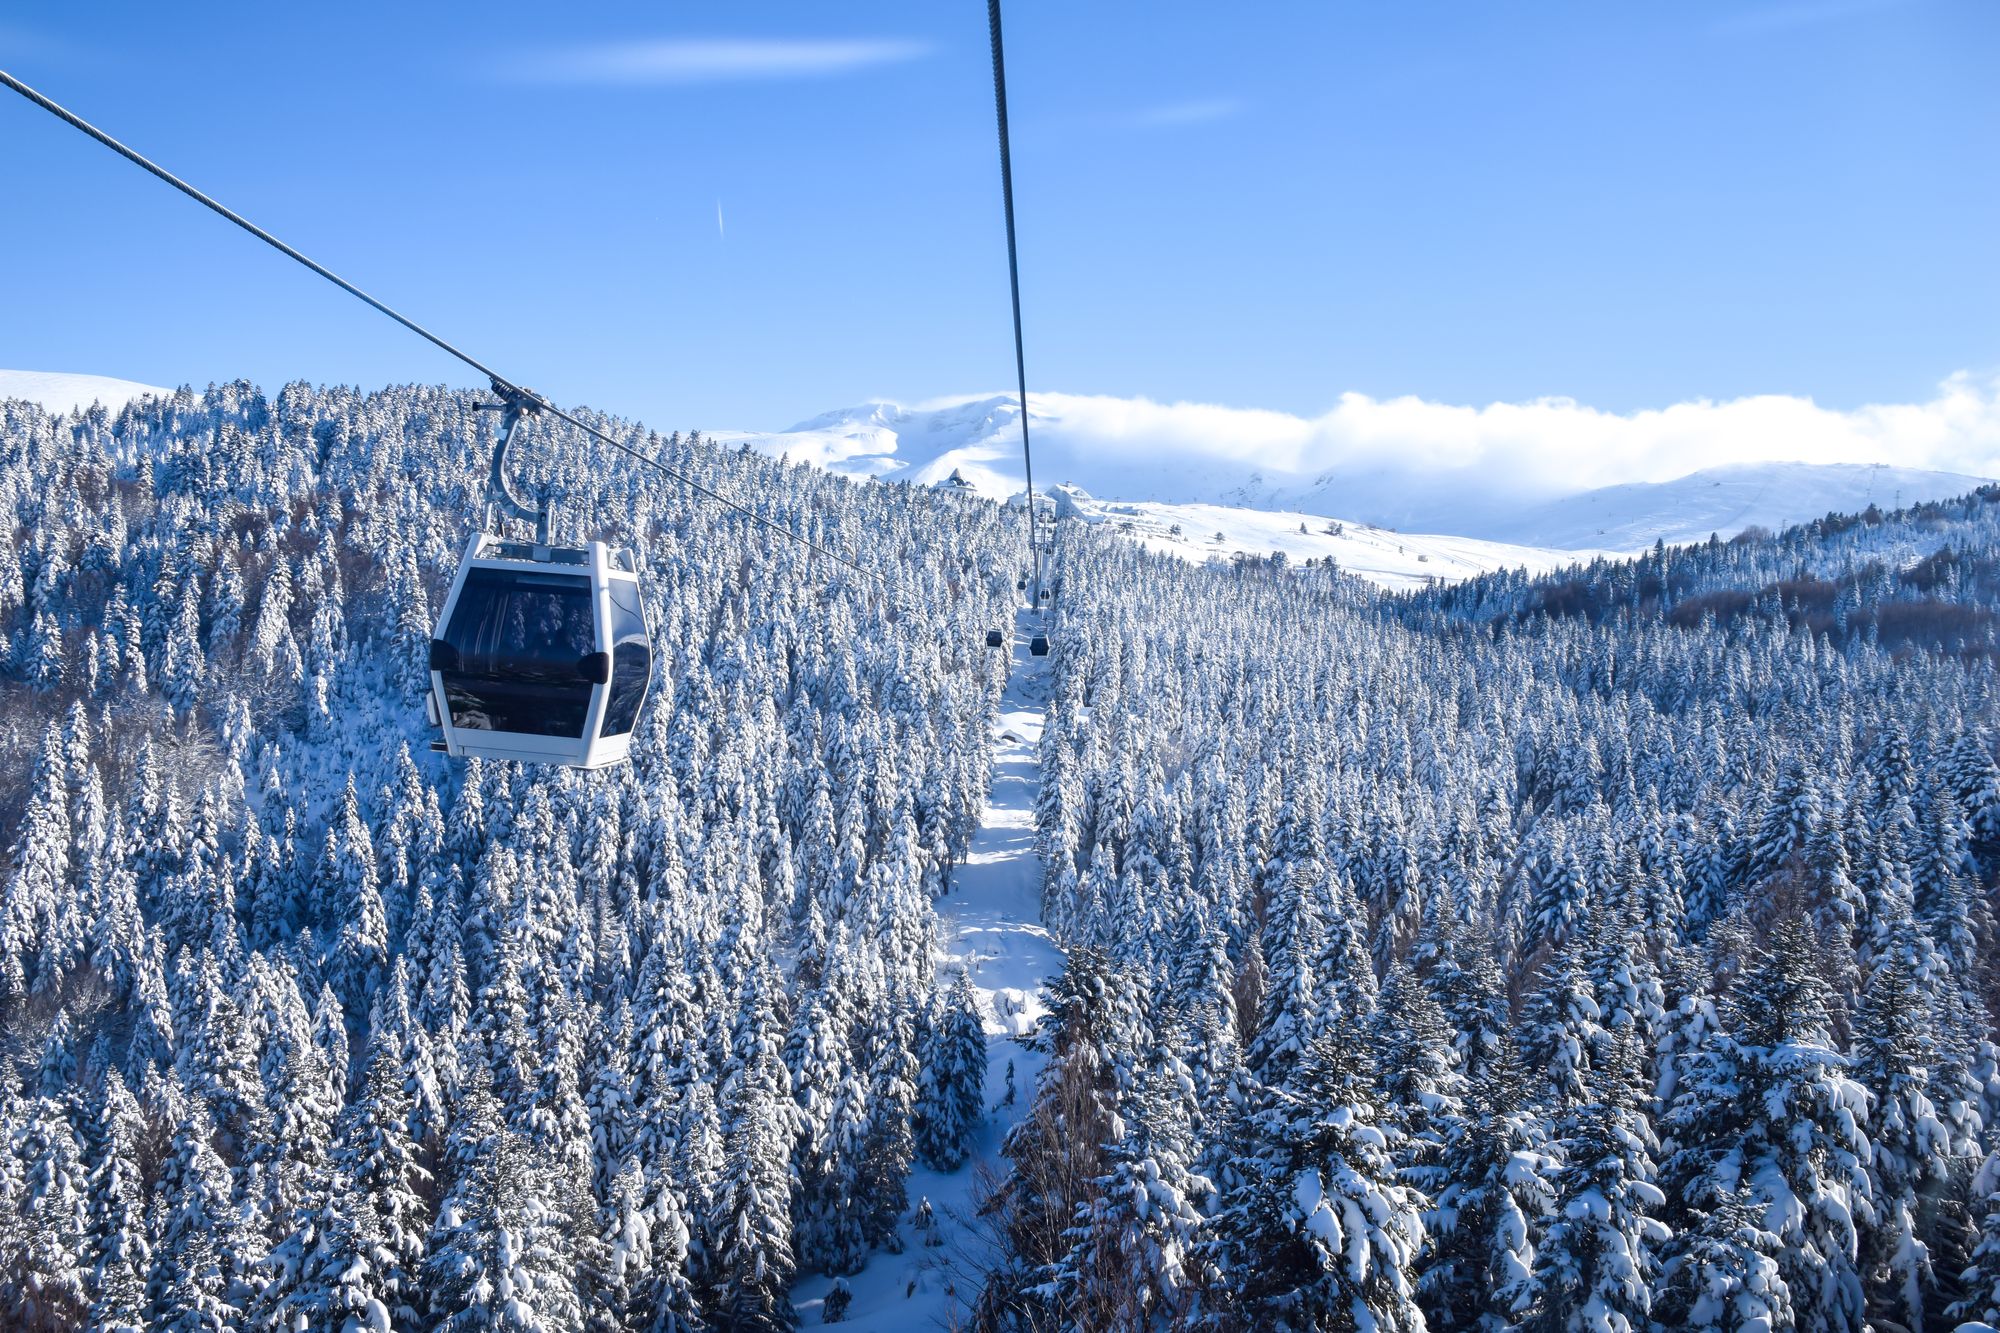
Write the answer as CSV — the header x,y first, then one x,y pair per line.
x,y
512,407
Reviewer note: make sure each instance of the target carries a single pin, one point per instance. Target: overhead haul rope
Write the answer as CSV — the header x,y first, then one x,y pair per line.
x,y
507,389
1014,282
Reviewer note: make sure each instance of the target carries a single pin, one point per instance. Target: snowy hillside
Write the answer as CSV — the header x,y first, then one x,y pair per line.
x,y
1131,450
1392,560
58,392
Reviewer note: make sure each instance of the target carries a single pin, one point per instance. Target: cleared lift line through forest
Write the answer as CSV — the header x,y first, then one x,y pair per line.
x,y
991,925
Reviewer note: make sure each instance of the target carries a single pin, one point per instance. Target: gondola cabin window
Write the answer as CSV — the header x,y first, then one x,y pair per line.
x,y
519,641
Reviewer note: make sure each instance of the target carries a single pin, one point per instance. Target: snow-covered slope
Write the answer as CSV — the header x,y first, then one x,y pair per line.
x,y
1141,452
1393,560
58,392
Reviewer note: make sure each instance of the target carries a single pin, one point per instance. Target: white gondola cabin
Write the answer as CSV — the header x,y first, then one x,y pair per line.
x,y
541,655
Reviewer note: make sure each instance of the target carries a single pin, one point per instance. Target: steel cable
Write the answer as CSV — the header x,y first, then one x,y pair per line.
x,y
502,386
1014,282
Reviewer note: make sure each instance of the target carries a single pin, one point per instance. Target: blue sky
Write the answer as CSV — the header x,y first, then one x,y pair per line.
x,y
1264,205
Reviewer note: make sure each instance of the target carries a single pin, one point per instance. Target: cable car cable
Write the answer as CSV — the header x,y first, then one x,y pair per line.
x,y
1013,272
504,387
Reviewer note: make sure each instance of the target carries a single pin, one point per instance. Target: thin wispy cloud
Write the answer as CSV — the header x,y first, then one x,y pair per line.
x,y
690,60
1201,111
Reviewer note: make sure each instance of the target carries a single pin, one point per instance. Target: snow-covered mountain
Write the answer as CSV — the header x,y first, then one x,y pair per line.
x,y
59,392
1722,501
1139,452
979,438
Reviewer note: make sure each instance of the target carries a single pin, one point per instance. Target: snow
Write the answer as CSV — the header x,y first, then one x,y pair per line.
x,y
1315,1216
991,923
1393,560
57,392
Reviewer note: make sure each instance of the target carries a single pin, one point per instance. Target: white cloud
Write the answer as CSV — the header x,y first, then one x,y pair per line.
x,y
706,60
1552,445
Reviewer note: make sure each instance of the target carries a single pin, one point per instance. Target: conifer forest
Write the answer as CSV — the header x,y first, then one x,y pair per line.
x,y
1612,950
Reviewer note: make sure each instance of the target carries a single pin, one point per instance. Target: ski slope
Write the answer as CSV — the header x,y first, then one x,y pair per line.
x,y
991,919
58,392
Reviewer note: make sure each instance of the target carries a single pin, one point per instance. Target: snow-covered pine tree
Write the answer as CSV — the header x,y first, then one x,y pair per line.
x,y
1981,1303
201,1259
754,1264
377,1163
827,1215
1564,1037
1912,1152
498,1258
1318,1232
1421,1085
44,1220
1767,1107
340,1282
887,1147
1597,1259
1723,1274
40,857
1134,1257
1132,1261
1493,1191
120,1238
951,1103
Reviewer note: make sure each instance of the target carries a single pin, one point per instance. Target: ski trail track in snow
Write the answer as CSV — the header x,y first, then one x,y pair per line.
x,y
991,924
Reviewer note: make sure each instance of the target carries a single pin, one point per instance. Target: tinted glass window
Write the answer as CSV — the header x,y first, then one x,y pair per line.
x,y
631,659
519,639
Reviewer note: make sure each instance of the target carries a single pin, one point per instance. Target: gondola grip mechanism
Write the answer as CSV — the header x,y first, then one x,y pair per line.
x,y
501,498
